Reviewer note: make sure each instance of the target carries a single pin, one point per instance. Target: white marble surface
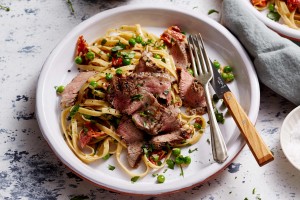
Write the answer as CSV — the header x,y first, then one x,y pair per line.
x,y
30,170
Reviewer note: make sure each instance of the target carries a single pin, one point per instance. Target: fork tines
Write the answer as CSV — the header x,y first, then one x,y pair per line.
x,y
200,65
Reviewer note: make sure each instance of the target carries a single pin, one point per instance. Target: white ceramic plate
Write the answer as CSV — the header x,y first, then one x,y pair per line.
x,y
290,137
278,27
221,44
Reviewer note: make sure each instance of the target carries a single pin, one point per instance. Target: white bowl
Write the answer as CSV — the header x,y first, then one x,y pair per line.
x,y
290,137
278,27
221,45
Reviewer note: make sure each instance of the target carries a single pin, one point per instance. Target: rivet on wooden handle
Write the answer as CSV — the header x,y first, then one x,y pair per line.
x,y
257,146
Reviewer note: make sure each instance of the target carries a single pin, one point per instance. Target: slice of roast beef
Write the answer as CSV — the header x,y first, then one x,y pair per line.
x,y
177,44
191,92
170,139
179,53
133,138
158,84
146,65
155,119
131,93
70,92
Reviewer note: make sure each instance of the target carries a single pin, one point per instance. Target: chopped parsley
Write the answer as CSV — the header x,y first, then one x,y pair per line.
x,y
112,168
119,46
212,11
275,16
103,42
71,6
106,157
73,111
4,8
134,179
219,116
137,97
191,151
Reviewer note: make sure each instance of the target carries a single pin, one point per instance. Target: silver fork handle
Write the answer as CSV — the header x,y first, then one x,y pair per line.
x,y
219,149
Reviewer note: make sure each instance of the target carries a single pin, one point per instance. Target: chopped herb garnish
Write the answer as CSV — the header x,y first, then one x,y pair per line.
x,y
191,72
145,124
116,48
103,42
112,168
191,151
74,110
106,157
197,126
181,171
134,179
165,170
253,191
164,60
94,84
212,11
273,16
4,8
71,6
137,97
208,141
219,116
154,175
155,157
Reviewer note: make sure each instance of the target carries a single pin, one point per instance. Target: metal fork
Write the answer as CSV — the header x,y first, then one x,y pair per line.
x,y
203,73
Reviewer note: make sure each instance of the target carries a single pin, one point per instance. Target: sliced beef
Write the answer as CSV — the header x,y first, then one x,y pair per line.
x,y
191,92
133,138
155,119
179,53
169,139
176,42
146,65
70,92
131,93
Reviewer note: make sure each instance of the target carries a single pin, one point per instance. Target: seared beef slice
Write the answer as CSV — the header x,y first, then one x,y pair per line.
x,y
134,92
134,139
155,119
191,91
70,92
176,42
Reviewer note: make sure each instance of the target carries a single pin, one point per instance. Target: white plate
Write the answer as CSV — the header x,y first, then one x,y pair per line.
x,y
290,137
278,27
221,44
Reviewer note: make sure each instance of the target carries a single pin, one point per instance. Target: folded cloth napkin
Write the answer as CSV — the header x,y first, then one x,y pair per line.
x,y
276,59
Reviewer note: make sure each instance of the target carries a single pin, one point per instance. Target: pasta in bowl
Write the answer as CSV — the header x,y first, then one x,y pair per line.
x,y
283,16
130,94
60,69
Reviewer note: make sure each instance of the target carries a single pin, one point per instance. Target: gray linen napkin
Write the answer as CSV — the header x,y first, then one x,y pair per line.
x,y
276,59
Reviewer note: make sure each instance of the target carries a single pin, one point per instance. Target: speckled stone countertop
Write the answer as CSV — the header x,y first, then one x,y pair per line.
x,y
28,167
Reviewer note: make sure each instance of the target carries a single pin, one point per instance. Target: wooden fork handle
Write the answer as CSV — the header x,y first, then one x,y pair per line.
x,y
257,146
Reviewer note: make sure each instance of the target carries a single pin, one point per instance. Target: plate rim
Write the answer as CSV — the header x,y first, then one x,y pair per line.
x,y
127,8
